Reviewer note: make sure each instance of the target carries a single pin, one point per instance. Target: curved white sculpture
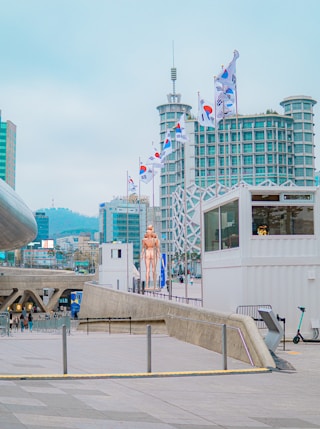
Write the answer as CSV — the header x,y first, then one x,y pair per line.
x,y
17,223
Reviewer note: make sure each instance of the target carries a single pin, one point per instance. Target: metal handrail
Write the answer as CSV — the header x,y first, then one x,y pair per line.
x,y
220,325
105,319
194,301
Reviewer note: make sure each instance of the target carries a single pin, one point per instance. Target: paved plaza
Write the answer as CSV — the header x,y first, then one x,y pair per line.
x,y
236,399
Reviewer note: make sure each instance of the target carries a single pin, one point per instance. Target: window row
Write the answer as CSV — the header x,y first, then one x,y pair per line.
x,y
221,225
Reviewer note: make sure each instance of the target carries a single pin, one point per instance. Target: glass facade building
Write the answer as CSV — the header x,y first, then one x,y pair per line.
x,y
8,152
254,149
43,228
120,220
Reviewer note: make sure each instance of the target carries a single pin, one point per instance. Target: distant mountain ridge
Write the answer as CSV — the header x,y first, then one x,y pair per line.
x,y
63,222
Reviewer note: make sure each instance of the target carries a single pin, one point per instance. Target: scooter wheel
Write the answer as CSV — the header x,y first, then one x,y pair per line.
x,y
296,339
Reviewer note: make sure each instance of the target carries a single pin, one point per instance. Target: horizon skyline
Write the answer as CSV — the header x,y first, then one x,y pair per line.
x,y
84,98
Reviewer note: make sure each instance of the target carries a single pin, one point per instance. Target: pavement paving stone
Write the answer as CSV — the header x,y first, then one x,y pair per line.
x,y
271,400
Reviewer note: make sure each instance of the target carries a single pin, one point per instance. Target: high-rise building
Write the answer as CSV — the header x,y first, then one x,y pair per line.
x,y
43,228
8,152
255,149
125,222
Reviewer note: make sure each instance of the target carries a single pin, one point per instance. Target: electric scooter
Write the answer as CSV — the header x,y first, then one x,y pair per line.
x,y
296,339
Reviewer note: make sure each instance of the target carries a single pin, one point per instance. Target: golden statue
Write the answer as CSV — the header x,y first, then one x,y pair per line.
x,y
151,255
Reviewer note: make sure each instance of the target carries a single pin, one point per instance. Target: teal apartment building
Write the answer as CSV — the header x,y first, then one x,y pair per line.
x,y
275,147
8,152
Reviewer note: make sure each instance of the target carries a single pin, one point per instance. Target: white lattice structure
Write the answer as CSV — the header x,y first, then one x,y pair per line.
x,y
193,224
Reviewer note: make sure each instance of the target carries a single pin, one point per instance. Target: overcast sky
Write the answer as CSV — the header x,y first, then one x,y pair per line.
x,y
81,79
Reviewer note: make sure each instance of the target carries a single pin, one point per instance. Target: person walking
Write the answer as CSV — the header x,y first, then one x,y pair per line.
x,y
16,323
30,321
21,322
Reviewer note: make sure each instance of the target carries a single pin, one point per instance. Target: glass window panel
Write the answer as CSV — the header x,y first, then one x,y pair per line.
x,y
309,160
259,147
247,125
247,160
282,220
260,159
247,147
211,230
308,137
259,135
296,106
229,225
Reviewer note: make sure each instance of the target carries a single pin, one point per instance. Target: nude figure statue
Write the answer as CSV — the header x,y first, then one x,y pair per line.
x,y
151,255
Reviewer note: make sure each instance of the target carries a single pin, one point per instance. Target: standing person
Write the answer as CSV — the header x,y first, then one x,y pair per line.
x,y
11,319
30,321
21,322
16,323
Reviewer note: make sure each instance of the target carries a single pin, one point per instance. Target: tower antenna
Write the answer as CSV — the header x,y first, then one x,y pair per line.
x,y
173,72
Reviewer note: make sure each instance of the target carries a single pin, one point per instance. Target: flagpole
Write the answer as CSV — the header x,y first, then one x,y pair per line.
x,y
140,262
237,138
216,125
185,222
127,231
201,265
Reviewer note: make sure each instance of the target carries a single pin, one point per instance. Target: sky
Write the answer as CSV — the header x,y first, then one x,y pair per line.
x,y
82,79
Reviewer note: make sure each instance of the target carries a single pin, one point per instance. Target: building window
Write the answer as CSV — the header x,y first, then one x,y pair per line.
x,y
308,137
247,135
260,159
247,147
259,135
260,170
296,106
115,253
247,124
299,172
247,160
211,150
259,147
283,220
222,227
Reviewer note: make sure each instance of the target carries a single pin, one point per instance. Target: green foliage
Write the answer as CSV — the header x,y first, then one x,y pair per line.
x,y
64,222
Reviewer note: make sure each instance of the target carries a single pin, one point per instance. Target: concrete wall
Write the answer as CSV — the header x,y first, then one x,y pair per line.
x,y
197,326
19,284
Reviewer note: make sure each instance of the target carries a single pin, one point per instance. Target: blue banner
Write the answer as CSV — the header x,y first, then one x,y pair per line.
x,y
76,298
163,274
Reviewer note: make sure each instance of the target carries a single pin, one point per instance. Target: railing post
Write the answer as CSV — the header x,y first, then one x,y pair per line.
x,y
148,348
224,346
64,349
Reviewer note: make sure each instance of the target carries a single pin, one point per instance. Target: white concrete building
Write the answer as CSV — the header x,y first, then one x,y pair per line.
x,y
261,246
116,269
